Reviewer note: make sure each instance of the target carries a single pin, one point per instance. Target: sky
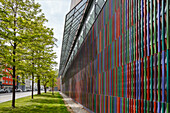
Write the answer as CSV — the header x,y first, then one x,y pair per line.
x,y
55,11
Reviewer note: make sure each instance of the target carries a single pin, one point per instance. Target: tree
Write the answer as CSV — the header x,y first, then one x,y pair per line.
x,y
52,79
45,55
40,53
16,18
46,78
45,65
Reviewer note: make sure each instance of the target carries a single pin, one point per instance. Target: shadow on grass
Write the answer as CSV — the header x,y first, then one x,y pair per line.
x,y
37,109
51,96
44,103
47,101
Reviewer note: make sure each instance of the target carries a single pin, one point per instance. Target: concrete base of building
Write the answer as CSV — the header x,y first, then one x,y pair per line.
x,y
76,107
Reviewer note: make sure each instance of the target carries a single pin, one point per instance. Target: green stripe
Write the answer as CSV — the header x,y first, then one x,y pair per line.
x,y
142,37
151,30
116,53
155,41
167,106
163,107
134,22
163,28
120,70
115,81
159,77
122,49
167,19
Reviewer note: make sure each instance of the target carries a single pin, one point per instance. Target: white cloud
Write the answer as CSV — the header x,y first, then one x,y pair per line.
x,y
55,11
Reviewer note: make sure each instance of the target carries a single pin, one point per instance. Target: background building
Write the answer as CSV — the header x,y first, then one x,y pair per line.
x,y
7,80
1,81
74,3
28,84
58,87
25,85
115,55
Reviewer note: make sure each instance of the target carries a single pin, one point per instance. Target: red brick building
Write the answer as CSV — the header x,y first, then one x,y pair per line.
x,y
58,84
7,80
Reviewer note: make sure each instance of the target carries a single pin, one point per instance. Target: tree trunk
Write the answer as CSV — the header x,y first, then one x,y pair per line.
x,y
53,86
13,92
39,88
45,89
14,52
52,90
32,85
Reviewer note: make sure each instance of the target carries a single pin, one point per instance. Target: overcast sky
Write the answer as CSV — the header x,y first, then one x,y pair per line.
x,y
55,11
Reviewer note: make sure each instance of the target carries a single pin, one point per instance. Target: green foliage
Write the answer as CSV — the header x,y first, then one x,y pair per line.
x,y
52,78
45,103
22,31
26,45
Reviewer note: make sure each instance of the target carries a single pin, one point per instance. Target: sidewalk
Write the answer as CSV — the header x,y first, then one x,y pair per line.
x,y
74,106
8,96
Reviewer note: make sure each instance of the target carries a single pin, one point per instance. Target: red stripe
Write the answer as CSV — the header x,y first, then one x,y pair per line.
x,y
121,50
107,57
108,36
130,80
132,12
111,56
113,81
127,81
134,79
134,106
118,52
105,36
118,104
109,9
113,28
154,107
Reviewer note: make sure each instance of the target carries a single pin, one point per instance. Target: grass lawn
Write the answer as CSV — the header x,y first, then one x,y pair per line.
x,y
44,103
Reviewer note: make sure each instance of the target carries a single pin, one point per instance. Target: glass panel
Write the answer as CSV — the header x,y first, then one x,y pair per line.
x,y
81,3
97,9
69,20
70,14
72,25
101,3
81,8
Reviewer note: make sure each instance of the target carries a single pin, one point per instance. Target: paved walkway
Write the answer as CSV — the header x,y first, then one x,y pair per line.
x,y
74,106
8,96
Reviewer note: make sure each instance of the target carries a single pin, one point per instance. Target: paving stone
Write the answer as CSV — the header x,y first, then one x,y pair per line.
x,y
77,108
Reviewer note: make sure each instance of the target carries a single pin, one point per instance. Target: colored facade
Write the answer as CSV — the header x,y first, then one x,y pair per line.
x,y
7,80
1,81
58,84
123,63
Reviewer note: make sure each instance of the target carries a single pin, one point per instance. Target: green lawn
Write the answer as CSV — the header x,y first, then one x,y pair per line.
x,y
44,103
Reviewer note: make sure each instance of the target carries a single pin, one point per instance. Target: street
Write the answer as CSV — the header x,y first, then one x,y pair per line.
x,y
8,96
